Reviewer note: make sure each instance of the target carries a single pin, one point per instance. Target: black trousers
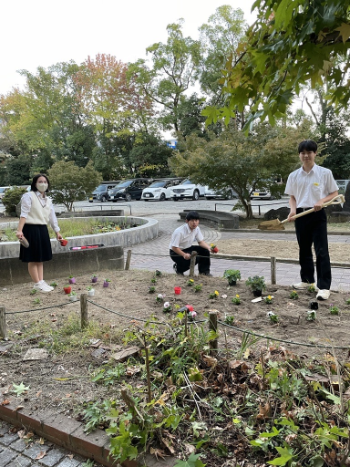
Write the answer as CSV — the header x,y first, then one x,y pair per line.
x,y
312,229
202,259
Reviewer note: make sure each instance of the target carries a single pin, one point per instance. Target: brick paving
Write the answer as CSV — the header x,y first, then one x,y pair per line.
x,y
17,452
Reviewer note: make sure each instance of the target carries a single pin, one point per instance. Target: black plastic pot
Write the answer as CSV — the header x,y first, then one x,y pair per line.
x,y
257,293
232,282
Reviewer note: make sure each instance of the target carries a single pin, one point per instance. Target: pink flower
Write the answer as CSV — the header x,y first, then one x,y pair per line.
x,y
193,314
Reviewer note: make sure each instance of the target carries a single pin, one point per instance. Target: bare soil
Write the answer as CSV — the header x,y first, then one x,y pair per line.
x,y
62,381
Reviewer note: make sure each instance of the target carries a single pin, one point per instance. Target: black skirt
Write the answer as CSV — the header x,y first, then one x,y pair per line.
x,y
39,244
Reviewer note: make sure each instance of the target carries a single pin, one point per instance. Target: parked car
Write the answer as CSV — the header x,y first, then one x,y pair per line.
x,y
261,193
160,189
129,189
187,189
225,193
3,190
101,192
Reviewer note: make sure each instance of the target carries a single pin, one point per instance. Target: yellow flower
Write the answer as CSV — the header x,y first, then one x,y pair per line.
x,y
316,184
269,297
237,296
216,293
190,280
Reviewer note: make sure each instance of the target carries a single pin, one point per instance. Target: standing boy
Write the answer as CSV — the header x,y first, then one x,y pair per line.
x,y
310,187
181,246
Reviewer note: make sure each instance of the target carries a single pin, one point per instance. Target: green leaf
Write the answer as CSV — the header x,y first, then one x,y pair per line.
x,y
19,389
192,461
286,456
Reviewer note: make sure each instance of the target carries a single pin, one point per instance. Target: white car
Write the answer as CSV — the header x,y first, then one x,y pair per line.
x,y
187,189
3,190
226,193
160,190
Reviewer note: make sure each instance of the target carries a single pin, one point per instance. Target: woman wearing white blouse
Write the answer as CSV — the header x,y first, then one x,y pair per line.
x,y
36,212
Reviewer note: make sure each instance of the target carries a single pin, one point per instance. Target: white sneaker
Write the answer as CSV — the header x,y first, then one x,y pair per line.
x,y
47,285
304,286
323,294
40,287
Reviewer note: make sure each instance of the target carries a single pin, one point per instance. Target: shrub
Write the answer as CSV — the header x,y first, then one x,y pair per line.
x,y
11,198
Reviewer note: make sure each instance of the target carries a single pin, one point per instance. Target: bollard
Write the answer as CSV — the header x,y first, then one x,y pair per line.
x,y
192,263
3,324
213,326
128,260
84,311
273,270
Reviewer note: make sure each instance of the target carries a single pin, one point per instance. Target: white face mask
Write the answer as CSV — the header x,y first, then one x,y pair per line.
x,y
42,187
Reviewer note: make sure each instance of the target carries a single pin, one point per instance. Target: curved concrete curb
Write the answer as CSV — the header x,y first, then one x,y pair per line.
x,y
147,229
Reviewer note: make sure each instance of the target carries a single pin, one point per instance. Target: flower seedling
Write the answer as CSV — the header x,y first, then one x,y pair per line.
x,y
311,315
333,309
348,301
192,315
166,307
151,289
190,282
106,282
67,289
158,273
256,284
215,294
229,320
268,299
236,300
273,317
214,248
294,295
72,280
33,292
154,280
232,276
36,301
160,298
94,279
53,284
197,287
311,288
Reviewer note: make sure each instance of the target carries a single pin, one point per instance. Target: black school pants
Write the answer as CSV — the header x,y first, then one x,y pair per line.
x,y
312,229
202,259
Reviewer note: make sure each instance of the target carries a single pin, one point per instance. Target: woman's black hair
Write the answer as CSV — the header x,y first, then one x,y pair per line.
x,y
192,215
307,145
35,180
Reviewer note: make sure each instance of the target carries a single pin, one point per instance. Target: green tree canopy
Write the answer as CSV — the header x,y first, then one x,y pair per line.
x,y
292,42
243,162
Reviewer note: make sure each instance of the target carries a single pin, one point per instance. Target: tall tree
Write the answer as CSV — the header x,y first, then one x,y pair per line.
x,y
173,70
290,44
219,38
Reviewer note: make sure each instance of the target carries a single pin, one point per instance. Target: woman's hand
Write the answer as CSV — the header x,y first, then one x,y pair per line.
x,y
59,236
19,234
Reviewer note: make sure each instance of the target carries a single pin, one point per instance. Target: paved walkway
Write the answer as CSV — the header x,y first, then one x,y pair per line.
x,y
18,452
154,255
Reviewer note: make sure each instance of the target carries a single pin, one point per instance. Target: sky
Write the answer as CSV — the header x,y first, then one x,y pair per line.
x,y
44,32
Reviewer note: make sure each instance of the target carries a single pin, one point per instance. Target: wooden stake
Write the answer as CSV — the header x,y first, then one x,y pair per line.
x,y
3,324
193,263
273,270
213,326
84,311
128,260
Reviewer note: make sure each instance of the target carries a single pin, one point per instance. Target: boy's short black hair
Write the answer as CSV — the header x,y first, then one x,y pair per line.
x,y
192,215
307,145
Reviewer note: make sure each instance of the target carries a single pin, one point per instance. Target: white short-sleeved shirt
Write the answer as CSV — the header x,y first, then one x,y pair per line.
x,y
309,188
183,237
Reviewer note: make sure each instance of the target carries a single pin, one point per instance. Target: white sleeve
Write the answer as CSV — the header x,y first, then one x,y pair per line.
x,y
289,186
199,235
26,204
53,219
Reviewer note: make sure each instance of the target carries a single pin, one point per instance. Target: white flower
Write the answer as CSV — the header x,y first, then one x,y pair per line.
x,y
224,296
166,304
193,314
